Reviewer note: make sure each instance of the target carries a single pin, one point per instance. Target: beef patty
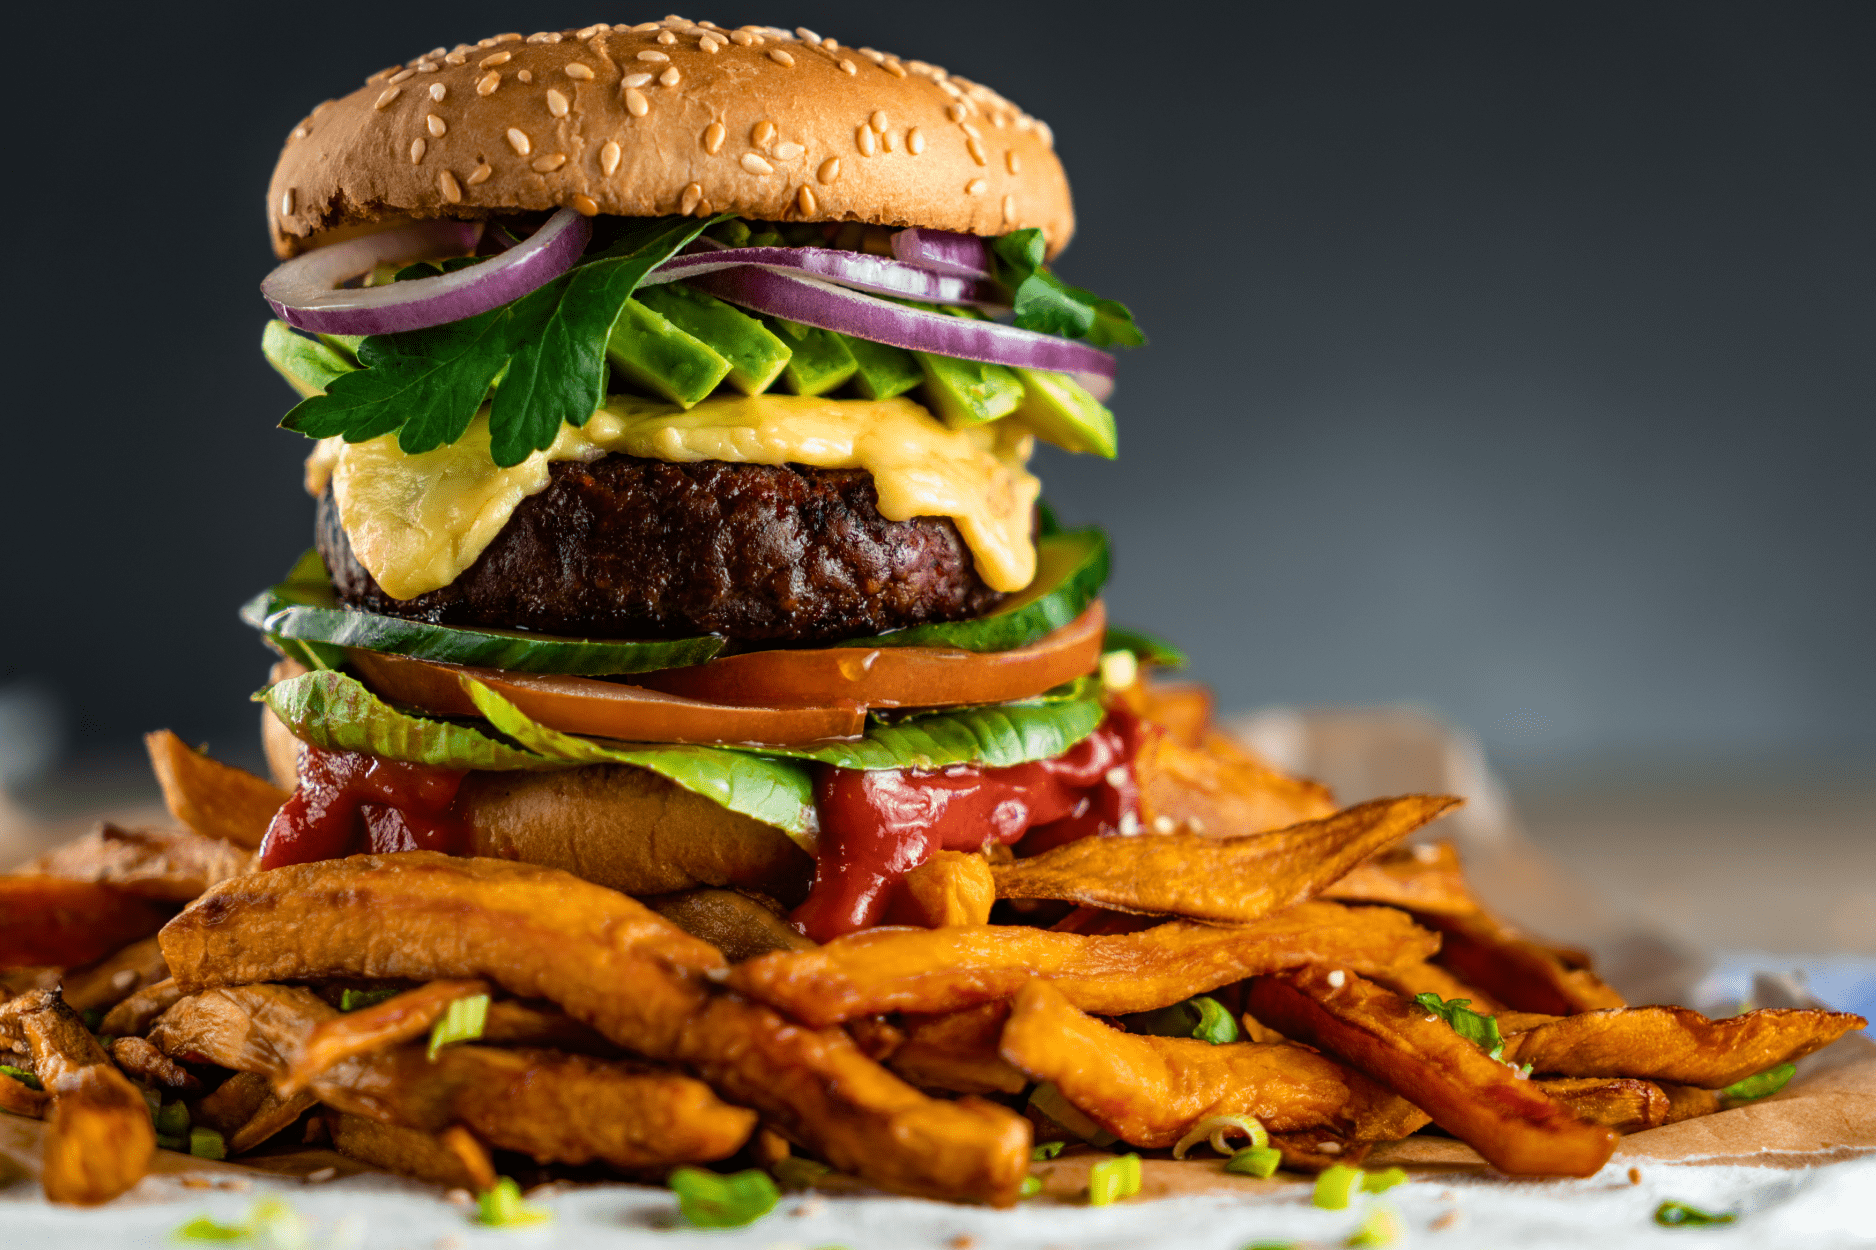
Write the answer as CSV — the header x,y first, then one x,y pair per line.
x,y
623,547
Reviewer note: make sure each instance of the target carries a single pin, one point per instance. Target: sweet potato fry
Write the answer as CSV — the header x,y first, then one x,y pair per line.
x,y
1623,1105
1685,1102
1517,970
1515,1125
1183,709
512,1022
1408,980
405,1151
99,1138
1673,1043
133,1016
212,798
250,1028
48,920
1228,880
957,1051
460,1142
1149,1090
150,863
739,926
1318,1149
151,1066
937,970
1427,878
950,888
102,985
245,1110
395,1020
21,1098
614,965
1215,786
274,1113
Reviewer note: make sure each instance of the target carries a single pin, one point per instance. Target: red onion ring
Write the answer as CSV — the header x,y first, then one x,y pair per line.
x,y
814,302
941,251
305,291
859,270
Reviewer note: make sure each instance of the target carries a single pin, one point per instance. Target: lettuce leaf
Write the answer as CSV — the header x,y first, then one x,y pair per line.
x,y
338,713
996,735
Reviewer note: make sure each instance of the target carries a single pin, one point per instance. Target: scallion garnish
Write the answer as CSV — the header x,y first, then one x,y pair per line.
x,y
1764,1085
1113,1179
1480,1030
353,1000
1032,1185
1046,1150
1202,1017
1679,1215
206,1143
172,1120
1259,1161
1381,1182
1335,1186
21,1075
201,1228
501,1207
712,1200
1381,1227
462,1022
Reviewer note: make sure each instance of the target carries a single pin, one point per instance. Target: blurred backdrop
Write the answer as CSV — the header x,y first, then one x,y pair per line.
x,y
1515,361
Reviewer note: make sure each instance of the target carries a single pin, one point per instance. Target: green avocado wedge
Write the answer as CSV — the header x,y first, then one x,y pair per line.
x,y
303,610
1071,568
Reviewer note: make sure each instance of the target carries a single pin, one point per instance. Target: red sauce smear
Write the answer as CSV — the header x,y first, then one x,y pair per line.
x,y
878,826
350,802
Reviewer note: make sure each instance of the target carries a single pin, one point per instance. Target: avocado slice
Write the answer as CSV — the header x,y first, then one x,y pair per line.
x,y
1058,409
885,371
654,354
756,356
820,360
968,392
307,364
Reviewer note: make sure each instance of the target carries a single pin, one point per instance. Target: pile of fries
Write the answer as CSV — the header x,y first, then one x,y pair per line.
x,y
456,1018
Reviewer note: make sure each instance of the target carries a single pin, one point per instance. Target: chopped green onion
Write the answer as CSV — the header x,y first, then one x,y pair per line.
x,y
1480,1030
1381,1182
1335,1186
501,1207
1202,1017
1763,1085
1217,1128
353,1000
1679,1214
170,1141
173,1120
1261,1161
1047,1149
1032,1185
1113,1179
21,1075
201,1228
1380,1228
206,1143
712,1200
462,1022
1047,1099
795,1172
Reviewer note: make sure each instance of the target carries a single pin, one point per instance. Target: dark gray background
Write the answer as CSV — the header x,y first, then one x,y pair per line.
x,y
1511,359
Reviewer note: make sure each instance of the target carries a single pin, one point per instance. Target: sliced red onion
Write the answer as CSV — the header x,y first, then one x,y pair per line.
x,y
960,255
859,270
306,291
816,303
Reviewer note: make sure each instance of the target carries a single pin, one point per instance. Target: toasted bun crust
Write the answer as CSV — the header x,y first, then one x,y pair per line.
x,y
670,117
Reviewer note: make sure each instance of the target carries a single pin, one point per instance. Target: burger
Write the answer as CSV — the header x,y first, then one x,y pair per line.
x,y
673,390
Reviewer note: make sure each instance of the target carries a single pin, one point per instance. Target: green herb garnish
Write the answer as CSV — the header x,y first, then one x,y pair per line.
x,y
1113,1179
1381,1227
501,1207
1763,1085
201,1228
172,1120
1202,1017
1680,1215
1481,1031
355,1000
712,1200
206,1143
21,1075
1032,1185
1259,1161
1046,1150
1335,1186
461,1022
1043,302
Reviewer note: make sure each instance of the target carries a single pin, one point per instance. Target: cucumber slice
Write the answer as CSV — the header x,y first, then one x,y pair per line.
x,y
1071,568
303,614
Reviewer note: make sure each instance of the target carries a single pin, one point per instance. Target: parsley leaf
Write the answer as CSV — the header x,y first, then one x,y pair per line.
x,y
1045,303
545,355
1481,1031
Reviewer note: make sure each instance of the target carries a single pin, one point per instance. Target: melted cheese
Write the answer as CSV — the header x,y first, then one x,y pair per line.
x,y
417,522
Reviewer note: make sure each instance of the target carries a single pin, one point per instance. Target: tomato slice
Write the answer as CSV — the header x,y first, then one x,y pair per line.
x,y
604,709
892,676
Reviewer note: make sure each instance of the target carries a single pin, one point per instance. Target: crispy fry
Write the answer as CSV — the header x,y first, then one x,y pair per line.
x,y
1149,1090
99,1138
250,1028
21,1098
150,863
1232,880
958,1051
272,1115
739,926
152,1066
614,965
1217,787
937,970
47,920
245,1110
114,978
395,1020
1623,1105
1183,709
214,799
133,1016
1510,1121
1672,1043
1685,1102
1426,878
460,1142
1517,970
950,888
402,1150
877,1037
1318,1149
512,1022
1408,980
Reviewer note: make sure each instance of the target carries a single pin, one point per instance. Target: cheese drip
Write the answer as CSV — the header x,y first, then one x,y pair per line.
x,y
418,522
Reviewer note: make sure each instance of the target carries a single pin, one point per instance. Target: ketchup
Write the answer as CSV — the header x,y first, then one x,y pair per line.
x,y
349,802
878,826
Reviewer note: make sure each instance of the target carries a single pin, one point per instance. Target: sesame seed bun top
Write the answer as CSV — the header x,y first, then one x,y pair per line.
x,y
670,117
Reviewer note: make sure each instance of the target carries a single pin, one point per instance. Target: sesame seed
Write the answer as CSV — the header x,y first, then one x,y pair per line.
x,y
872,54
401,75
652,54
585,205
807,35
1163,824
804,200
509,36
486,43
670,77
525,75
286,202
495,58
608,157
587,32
951,89
390,94
970,130
1012,162
915,141
848,66
885,141
519,142
956,112
635,102
418,147
667,38
451,189
556,103
635,80
762,134
829,170
878,121
548,162
780,57
788,151
710,43
756,165
434,53
436,125
486,84
1338,978
1009,208
713,137
1048,136
688,202
544,36
976,150
976,186
481,174
742,37
438,91
457,57
383,74
868,142
644,28
580,71
299,132
830,43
